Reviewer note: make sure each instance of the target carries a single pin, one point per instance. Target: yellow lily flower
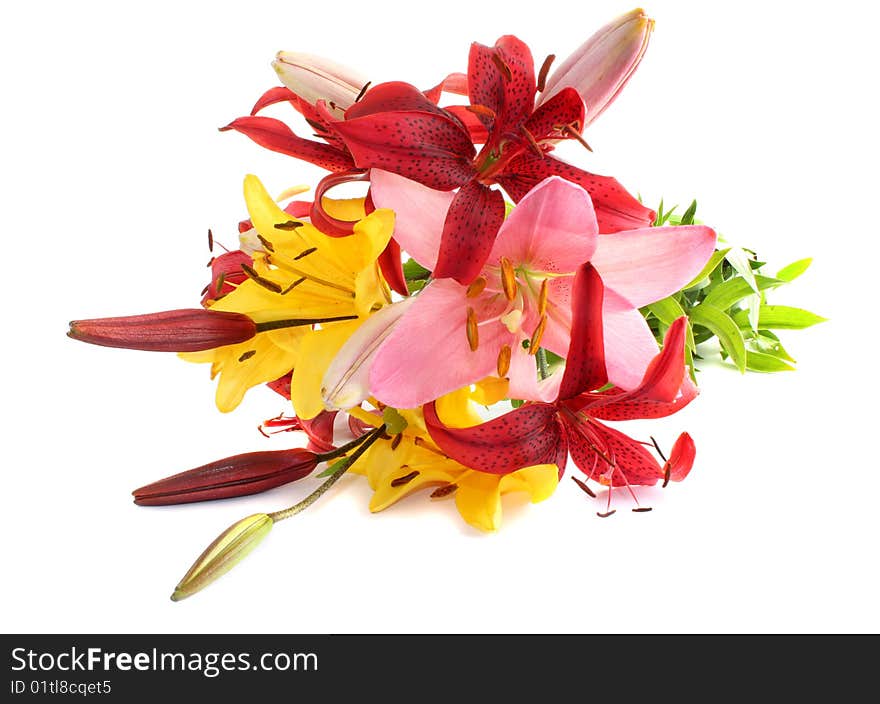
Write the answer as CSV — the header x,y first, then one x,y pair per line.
x,y
411,461
299,272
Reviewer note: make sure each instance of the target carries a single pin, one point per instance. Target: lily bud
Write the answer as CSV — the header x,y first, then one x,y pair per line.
x,y
346,381
240,475
230,547
603,64
184,330
315,78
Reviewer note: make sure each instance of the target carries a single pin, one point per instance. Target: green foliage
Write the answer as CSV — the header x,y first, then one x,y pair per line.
x,y
727,302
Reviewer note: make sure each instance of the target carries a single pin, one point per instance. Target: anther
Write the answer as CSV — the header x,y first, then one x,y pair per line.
x,y
642,509
542,298
502,66
289,225
503,364
305,253
535,342
395,441
473,333
210,240
530,138
266,243
583,485
572,131
221,279
256,278
508,279
605,514
481,110
247,355
293,285
545,69
405,479
477,286
363,90
443,491
667,475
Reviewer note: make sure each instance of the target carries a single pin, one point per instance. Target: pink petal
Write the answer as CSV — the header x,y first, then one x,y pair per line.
x,y
585,361
524,437
524,381
419,213
650,264
553,228
629,344
475,215
275,135
428,354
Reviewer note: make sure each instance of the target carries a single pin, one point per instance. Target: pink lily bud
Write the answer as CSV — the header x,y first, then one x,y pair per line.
x,y
239,475
184,330
315,78
603,64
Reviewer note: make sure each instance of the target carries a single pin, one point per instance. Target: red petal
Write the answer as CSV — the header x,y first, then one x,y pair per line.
x,y
471,225
279,94
526,436
275,135
477,131
392,268
454,83
615,208
585,363
320,431
509,92
681,459
431,148
564,108
591,443
665,387
183,330
241,475
325,222
226,273
281,385
394,96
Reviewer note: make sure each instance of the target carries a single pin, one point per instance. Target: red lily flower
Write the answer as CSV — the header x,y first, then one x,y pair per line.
x,y
397,128
543,433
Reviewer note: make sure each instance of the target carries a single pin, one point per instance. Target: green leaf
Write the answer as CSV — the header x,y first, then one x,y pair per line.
x,y
516,402
761,362
413,271
781,318
725,294
795,269
727,331
741,262
337,466
688,217
711,265
768,343
667,311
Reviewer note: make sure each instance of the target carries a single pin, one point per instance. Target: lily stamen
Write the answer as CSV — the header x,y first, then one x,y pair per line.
x,y
284,262
262,281
545,69
535,342
508,279
476,287
473,333
542,298
503,363
572,131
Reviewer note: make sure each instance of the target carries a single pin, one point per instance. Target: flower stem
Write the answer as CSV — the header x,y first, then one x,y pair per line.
x,y
333,478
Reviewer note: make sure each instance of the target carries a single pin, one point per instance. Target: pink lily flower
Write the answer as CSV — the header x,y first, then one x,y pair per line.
x,y
523,293
543,433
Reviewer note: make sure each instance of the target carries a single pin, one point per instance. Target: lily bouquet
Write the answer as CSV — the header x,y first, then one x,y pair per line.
x,y
476,318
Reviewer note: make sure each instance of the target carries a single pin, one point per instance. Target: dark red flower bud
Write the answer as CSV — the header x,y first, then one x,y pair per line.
x,y
239,475
185,330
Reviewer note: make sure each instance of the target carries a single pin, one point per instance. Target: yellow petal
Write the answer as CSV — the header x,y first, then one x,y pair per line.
x,y
315,354
539,481
478,499
460,408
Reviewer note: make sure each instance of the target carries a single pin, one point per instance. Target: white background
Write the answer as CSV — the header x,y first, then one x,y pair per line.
x,y
112,172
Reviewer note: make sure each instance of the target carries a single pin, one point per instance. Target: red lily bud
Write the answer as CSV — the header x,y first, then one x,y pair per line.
x,y
239,475
185,330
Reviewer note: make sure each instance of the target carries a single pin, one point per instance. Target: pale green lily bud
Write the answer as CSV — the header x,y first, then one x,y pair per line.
x,y
346,381
603,64
230,547
315,78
